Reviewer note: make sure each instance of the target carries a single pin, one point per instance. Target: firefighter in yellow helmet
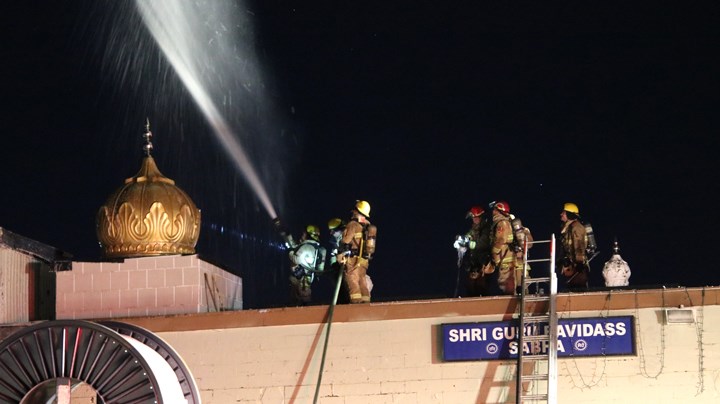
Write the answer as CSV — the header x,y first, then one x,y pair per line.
x,y
356,249
573,239
502,255
307,258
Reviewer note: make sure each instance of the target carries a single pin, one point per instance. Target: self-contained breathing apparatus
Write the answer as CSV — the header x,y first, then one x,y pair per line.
x,y
591,245
365,246
308,256
577,273
520,234
308,259
369,239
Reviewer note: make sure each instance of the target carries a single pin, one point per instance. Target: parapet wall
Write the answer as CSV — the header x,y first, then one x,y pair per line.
x,y
148,286
391,352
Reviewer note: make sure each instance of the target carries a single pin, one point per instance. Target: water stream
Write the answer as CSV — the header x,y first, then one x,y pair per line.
x,y
199,39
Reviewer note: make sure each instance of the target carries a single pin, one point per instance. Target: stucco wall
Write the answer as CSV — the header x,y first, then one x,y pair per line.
x,y
397,359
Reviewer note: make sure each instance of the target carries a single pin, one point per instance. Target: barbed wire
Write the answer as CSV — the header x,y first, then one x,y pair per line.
x,y
699,329
604,313
641,350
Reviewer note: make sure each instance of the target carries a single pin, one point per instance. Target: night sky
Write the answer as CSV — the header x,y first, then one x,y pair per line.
x,y
424,109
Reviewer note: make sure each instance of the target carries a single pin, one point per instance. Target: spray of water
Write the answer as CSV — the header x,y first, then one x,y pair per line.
x,y
197,37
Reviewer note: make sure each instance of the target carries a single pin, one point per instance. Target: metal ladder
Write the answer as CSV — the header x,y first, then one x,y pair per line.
x,y
535,367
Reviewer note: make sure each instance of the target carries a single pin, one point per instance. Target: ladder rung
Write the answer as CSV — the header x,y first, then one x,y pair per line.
x,y
541,376
540,241
534,397
536,280
539,260
540,357
535,311
529,338
537,298
535,319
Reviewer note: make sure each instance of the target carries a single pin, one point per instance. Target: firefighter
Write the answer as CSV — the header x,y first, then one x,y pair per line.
x,y
477,240
307,258
502,254
336,226
573,239
356,249
522,238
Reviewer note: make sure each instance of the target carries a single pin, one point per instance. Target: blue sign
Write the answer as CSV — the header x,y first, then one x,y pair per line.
x,y
576,337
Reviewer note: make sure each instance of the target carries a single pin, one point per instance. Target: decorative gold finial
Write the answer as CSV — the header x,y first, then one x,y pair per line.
x,y
148,137
148,215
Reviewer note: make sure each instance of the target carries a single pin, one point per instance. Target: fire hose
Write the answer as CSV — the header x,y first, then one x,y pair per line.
x,y
331,309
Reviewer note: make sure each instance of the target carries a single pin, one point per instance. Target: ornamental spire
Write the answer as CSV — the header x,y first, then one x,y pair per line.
x,y
616,271
148,137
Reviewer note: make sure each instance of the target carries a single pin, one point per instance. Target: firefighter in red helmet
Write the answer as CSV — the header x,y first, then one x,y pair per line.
x,y
502,255
356,249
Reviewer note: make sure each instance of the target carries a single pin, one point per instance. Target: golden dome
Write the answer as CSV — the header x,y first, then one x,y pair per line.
x,y
148,216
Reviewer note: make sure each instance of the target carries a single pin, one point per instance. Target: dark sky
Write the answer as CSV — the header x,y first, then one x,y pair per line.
x,y
424,109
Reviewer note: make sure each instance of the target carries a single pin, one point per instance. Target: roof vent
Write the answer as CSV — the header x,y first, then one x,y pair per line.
x,y
679,316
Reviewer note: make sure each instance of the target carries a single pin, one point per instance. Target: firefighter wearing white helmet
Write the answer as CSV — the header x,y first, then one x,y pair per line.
x,y
573,239
356,249
307,258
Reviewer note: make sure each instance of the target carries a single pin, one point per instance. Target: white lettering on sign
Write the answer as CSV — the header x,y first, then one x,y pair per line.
x,y
510,333
467,335
590,330
534,347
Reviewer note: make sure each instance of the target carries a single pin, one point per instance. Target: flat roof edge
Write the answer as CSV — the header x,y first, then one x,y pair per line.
x,y
503,307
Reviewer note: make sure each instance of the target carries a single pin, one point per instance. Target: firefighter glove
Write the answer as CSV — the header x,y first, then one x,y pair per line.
x,y
298,272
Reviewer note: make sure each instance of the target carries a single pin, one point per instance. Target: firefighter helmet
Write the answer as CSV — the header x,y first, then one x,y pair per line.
x,y
334,223
313,231
503,207
363,208
475,211
572,208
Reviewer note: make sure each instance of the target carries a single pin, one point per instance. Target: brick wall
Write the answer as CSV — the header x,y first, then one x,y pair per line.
x,y
148,286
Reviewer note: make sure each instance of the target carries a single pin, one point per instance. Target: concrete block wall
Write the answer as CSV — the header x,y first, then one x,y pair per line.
x,y
148,286
398,361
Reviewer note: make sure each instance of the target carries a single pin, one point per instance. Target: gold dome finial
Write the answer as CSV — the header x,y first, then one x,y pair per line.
x,y
148,215
148,137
